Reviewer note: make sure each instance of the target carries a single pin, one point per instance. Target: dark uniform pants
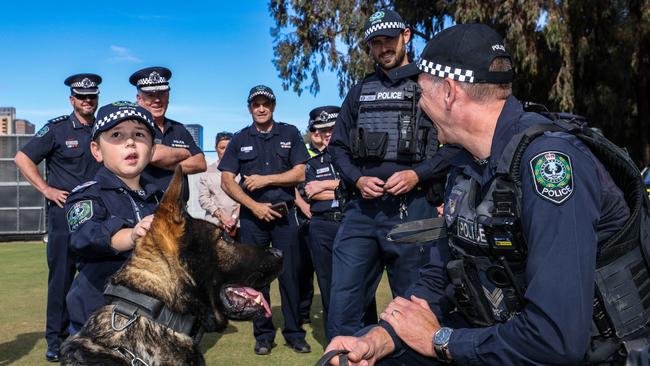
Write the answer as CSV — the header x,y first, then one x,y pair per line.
x,y
282,234
361,251
61,273
306,273
321,237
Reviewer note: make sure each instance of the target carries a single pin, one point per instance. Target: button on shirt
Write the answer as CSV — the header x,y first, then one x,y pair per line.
x,y
113,206
320,167
253,152
555,325
174,134
64,143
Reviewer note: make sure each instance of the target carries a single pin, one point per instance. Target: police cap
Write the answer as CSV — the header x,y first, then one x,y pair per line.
x,y
383,23
463,52
84,83
112,114
323,117
262,90
151,79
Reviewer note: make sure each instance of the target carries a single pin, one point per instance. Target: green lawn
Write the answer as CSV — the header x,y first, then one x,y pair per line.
x,y
23,278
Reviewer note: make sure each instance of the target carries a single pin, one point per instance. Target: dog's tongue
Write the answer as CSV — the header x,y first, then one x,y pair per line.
x,y
258,295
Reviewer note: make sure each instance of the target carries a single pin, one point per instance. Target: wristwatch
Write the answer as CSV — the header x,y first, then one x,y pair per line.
x,y
441,343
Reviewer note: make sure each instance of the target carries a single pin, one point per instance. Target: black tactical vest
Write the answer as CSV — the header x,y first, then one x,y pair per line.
x,y
390,126
489,250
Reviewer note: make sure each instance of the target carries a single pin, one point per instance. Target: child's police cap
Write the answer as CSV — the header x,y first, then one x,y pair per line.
x,y
112,114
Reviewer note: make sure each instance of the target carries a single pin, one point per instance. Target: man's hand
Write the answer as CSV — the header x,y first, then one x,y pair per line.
x,y
414,323
228,223
56,195
313,188
140,229
401,182
304,207
370,187
255,181
365,350
263,211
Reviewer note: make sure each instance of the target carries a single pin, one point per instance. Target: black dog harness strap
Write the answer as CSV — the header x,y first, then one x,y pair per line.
x,y
325,360
130,304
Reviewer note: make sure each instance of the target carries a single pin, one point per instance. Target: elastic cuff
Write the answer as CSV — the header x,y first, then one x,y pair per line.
x,y
399,347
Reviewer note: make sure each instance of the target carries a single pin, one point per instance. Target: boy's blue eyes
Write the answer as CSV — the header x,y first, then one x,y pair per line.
x,y
117,135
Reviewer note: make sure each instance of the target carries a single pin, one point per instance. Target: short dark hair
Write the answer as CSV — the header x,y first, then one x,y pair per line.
x,y
222,136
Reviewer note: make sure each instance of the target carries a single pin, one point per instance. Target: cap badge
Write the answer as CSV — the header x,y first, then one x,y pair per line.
x,y
86,83
377,16
155,77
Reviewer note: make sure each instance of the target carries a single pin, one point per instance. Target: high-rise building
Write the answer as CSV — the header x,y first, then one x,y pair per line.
x,y
7,116
196,131
24,127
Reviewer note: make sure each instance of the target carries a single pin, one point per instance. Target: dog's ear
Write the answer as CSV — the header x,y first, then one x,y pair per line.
x,y
175,199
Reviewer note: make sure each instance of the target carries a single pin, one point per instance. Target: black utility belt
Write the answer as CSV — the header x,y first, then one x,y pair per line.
x,y
328,216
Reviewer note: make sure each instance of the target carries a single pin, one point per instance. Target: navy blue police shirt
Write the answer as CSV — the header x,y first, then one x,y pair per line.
x,y
64,143
555,325
253,152
339,146
95,211
174,134
321,167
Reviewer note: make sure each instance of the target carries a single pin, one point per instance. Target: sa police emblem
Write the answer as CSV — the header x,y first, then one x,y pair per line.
x,y
43,131
79,213
552,176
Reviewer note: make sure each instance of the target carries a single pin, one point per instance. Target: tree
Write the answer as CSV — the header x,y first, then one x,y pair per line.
x,y
587,57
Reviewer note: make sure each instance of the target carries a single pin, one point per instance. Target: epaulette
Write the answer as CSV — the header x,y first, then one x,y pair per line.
x,y
83,185
59,119
172,121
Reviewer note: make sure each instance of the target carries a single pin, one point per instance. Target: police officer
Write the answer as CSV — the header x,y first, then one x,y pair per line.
x,y
270,157
516,283
325,199
380,145
64,143
107,214
174,144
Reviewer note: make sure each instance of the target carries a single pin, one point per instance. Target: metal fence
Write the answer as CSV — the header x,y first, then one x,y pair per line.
x,y
22,207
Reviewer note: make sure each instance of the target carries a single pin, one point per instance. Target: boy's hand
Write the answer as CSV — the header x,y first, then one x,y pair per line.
x,y
141,228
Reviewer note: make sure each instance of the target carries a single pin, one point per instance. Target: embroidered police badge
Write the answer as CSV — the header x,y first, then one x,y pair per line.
x,y
43,131
79,213
552,176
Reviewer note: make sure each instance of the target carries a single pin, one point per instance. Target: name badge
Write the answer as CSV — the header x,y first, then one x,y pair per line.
x,y
246,149
285,144
322,170
71,144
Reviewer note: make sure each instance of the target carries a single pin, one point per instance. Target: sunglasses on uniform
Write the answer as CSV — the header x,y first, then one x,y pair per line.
x,y
85,96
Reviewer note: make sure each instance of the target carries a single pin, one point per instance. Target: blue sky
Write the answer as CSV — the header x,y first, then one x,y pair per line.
x,y
216,50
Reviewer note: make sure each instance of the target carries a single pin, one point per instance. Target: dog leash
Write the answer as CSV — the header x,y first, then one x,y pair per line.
x,y
325,360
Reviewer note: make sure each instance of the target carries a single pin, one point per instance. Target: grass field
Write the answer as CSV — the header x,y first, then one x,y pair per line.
x,y
23,278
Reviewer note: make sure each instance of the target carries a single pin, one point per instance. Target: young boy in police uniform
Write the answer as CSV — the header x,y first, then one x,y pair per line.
x,y
106,215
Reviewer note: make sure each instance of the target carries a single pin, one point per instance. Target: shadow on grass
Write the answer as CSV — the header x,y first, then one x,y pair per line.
x,y
210,339
14,350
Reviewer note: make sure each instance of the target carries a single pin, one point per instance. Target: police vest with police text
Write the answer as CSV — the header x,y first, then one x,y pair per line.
x,y
390,126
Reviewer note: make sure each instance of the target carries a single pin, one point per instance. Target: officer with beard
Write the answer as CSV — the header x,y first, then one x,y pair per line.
x,y
64,143
381,145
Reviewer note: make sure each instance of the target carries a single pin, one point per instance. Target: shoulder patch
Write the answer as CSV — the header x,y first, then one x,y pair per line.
x,y
59,119
552,176
43,131
83,185
79,213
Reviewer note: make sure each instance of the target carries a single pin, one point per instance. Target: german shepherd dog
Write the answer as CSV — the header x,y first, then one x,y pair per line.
x,y
187,267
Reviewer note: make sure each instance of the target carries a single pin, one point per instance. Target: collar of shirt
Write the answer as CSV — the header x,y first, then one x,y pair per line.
x,y
108,180
275,130
76,124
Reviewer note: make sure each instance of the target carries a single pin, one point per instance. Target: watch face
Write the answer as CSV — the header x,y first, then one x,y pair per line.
x,y
442,336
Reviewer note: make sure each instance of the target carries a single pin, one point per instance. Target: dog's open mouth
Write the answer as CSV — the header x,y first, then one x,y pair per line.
x,y
244,303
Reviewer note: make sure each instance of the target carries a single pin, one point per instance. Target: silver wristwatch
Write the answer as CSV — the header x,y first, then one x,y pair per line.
x,y
441,343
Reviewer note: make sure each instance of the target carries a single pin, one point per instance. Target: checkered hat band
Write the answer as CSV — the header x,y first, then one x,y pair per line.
x,y
386,25
147,81
443,71
262,92
150,88
81,84
120,115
